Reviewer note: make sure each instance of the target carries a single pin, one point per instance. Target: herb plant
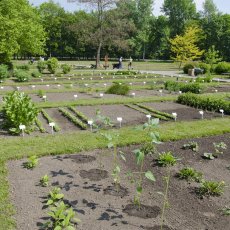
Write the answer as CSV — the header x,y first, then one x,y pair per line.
x,y
226,211
190,174
44,181
219,147
166,159
211,188
32,162
54,196
191,145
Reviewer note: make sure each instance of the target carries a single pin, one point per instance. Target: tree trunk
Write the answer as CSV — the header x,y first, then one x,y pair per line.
x,y
143,56
98,56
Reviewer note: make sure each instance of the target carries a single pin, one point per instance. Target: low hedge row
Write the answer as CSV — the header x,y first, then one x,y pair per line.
x,y
206,103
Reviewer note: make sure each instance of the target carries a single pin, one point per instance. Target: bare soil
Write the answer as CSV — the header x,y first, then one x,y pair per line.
x,y
98,210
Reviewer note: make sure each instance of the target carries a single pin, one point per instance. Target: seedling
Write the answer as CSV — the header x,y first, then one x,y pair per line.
x,y
62,217
102,120
191,145
211,188
190,174
226,211
166,159
31,163
44,181
54,196
219,147
208,156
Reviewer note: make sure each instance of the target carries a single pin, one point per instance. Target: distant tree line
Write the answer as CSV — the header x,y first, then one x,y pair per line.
x,y
113,27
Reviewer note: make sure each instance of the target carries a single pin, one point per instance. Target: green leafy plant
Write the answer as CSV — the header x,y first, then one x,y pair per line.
x,y
222,67
21,75
191,145
119,89
41,66
211,188
41,93
54,196
62,218
3,72
23,67
52,65
18,109
102,121
44,181
190,174
31,163
226,211
166,159
209,156
35,74
66,68
219,147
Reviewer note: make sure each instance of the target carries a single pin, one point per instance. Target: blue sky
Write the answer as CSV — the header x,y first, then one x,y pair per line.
x,y
223,5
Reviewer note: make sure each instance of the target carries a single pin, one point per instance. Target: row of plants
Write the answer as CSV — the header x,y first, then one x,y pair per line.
x,y
183,87
50,120
40,126
118,89
205,103
79,114
73,118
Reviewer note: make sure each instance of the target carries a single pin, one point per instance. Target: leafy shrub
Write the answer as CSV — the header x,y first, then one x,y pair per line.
x,y
190,174
207,79
41,66
222,67
211,188
66,68
205,67
18,109
188,66
35,74
21,75
119,89
206,103
183,87
52,65
3,71
24,67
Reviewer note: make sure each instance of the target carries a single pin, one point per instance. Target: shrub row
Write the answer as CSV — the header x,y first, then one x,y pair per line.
x,y
39,125
72,118
183,87
210,104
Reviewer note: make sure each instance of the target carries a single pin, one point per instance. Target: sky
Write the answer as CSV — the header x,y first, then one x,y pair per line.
x,y
222,5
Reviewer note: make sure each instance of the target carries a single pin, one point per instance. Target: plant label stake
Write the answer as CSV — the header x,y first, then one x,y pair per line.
x,y
47,85
175,116
22,128
33,86
86,85
133,94
119,119
148,116
55,79
202,114
2,87
75,96
216,90
44,97
18,88
90,123
160,91
222,112
42,80
180,92
101,95
144,82
58,86
52,124
130,83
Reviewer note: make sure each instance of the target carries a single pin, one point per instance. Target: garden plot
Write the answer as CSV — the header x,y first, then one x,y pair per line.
x,y
85,190
6,88
222,88
149,93
129,116
183,112
63,122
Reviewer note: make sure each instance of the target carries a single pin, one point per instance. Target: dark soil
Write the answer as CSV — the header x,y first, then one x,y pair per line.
x,y
116,190
81,159
94,174
98,210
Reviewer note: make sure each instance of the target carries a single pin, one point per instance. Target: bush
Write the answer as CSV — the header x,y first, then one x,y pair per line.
x,y
24,67
119,89
18,108
21,75
188,66
205,67
207,79
52,65
222,67
66,68
35,74
41,66
3,72
207,103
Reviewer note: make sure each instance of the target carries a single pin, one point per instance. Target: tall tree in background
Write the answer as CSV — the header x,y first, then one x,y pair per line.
x,y
179,13
21,31
209,9
184,46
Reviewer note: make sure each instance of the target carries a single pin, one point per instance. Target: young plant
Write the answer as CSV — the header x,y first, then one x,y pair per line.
x,y
190,174
226,211
44,181
31,163
62,218
209,156
54,196
166,159
191,145
102,121
211,188
219,147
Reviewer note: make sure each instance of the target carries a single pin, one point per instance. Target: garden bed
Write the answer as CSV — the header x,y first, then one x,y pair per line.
x,y
87,193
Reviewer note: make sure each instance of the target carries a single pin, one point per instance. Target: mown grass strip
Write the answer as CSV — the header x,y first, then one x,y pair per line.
x,y
49,120
72,118
16,148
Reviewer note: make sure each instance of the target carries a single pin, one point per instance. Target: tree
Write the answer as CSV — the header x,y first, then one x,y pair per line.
x,y
20,29
184,46
212,56
179,13
209,9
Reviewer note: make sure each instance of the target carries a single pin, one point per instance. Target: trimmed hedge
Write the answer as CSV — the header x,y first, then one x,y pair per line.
x,y
207,103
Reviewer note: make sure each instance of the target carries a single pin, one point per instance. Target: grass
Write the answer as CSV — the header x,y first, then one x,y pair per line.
x,y
17,147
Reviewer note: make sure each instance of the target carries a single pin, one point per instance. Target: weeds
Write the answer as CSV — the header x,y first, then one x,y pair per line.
x,y
166,159
211,188
190,174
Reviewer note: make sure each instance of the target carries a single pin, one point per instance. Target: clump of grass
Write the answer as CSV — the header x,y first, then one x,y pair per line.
x,y
190,174
166,159
211,188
